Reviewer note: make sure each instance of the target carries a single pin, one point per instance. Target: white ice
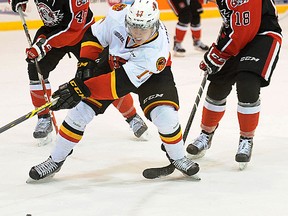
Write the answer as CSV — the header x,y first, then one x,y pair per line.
x,y
103,177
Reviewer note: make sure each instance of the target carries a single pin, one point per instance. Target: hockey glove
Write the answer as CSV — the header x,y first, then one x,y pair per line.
x,y
213,60
18,3
70,94
86,69
38,50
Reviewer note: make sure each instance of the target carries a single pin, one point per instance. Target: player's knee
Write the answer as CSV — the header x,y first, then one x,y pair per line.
x,y
165,118
80,116
248,87
184,16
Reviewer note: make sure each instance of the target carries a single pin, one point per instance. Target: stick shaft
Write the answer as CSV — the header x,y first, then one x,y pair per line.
x,y
195,106
40,76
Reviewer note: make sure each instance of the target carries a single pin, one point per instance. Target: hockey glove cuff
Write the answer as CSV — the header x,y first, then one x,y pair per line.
x,y
86,69
70,94
15,4
38,50
213,60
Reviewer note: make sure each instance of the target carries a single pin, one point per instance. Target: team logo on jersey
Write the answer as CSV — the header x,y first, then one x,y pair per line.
x,y
118,7
161,63
236,3
79,3
48,16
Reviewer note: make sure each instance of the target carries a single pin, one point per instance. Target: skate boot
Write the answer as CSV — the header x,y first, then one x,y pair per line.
x,y
179,51
198,45
244,152
45,169
43,130
198,148
138,126
186,166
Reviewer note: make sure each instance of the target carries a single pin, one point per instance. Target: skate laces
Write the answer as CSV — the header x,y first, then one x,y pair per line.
x,y
245,146
202,142
47,167
183,163
43,124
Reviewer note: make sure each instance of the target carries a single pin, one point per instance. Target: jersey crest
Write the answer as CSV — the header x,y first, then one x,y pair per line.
x,y
118,7
50,18
236,3
160,63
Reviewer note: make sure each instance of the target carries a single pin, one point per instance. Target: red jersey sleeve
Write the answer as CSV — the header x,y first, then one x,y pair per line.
x,y
241,22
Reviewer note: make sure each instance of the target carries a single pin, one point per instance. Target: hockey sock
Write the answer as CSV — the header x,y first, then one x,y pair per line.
x,y
248,118
196,32
180,32
125,106
212,114
37,94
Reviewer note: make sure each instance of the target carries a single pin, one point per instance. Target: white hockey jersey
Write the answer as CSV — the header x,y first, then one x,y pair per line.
x,y
142,61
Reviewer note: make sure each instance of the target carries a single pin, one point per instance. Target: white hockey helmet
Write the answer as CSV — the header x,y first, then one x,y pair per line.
x,y
143,14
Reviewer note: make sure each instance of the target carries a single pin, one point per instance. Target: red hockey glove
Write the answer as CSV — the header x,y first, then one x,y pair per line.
x,y
38,50
70,94
18,3
213,60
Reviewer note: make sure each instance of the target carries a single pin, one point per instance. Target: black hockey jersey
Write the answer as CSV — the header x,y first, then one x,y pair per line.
x,y
68,20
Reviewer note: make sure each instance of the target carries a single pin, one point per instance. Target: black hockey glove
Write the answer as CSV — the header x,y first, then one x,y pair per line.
x,y
18,3
86,69
70,94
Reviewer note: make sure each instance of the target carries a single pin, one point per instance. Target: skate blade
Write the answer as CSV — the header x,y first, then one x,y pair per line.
x,y
199,49
192,177
195,177
197,156
177,54
44,141
242,165
33,181
144,137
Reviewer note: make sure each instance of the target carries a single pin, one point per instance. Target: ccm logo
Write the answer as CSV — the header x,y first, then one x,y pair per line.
x,y
152,97
249,58
76,88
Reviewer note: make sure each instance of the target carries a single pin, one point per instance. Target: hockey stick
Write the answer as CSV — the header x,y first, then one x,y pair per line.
x,y
152,173
40,76
27,116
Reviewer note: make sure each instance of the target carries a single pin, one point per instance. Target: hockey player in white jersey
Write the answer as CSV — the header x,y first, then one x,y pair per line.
x,y
138,61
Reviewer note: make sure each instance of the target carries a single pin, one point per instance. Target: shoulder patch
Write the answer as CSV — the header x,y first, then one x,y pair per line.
x,y
160,63
118,7
236,3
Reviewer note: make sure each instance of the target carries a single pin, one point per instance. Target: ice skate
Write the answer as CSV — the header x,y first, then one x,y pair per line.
x,y
198,45
244,152
43,130
179,51
187,167
198,148
138,127
45,169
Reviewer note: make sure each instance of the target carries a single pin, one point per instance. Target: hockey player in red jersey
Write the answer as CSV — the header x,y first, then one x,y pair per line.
x,y
138,61
65,23
188,12
245,53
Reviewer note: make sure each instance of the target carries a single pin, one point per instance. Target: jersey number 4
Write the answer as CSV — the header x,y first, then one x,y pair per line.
x,y
80,16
